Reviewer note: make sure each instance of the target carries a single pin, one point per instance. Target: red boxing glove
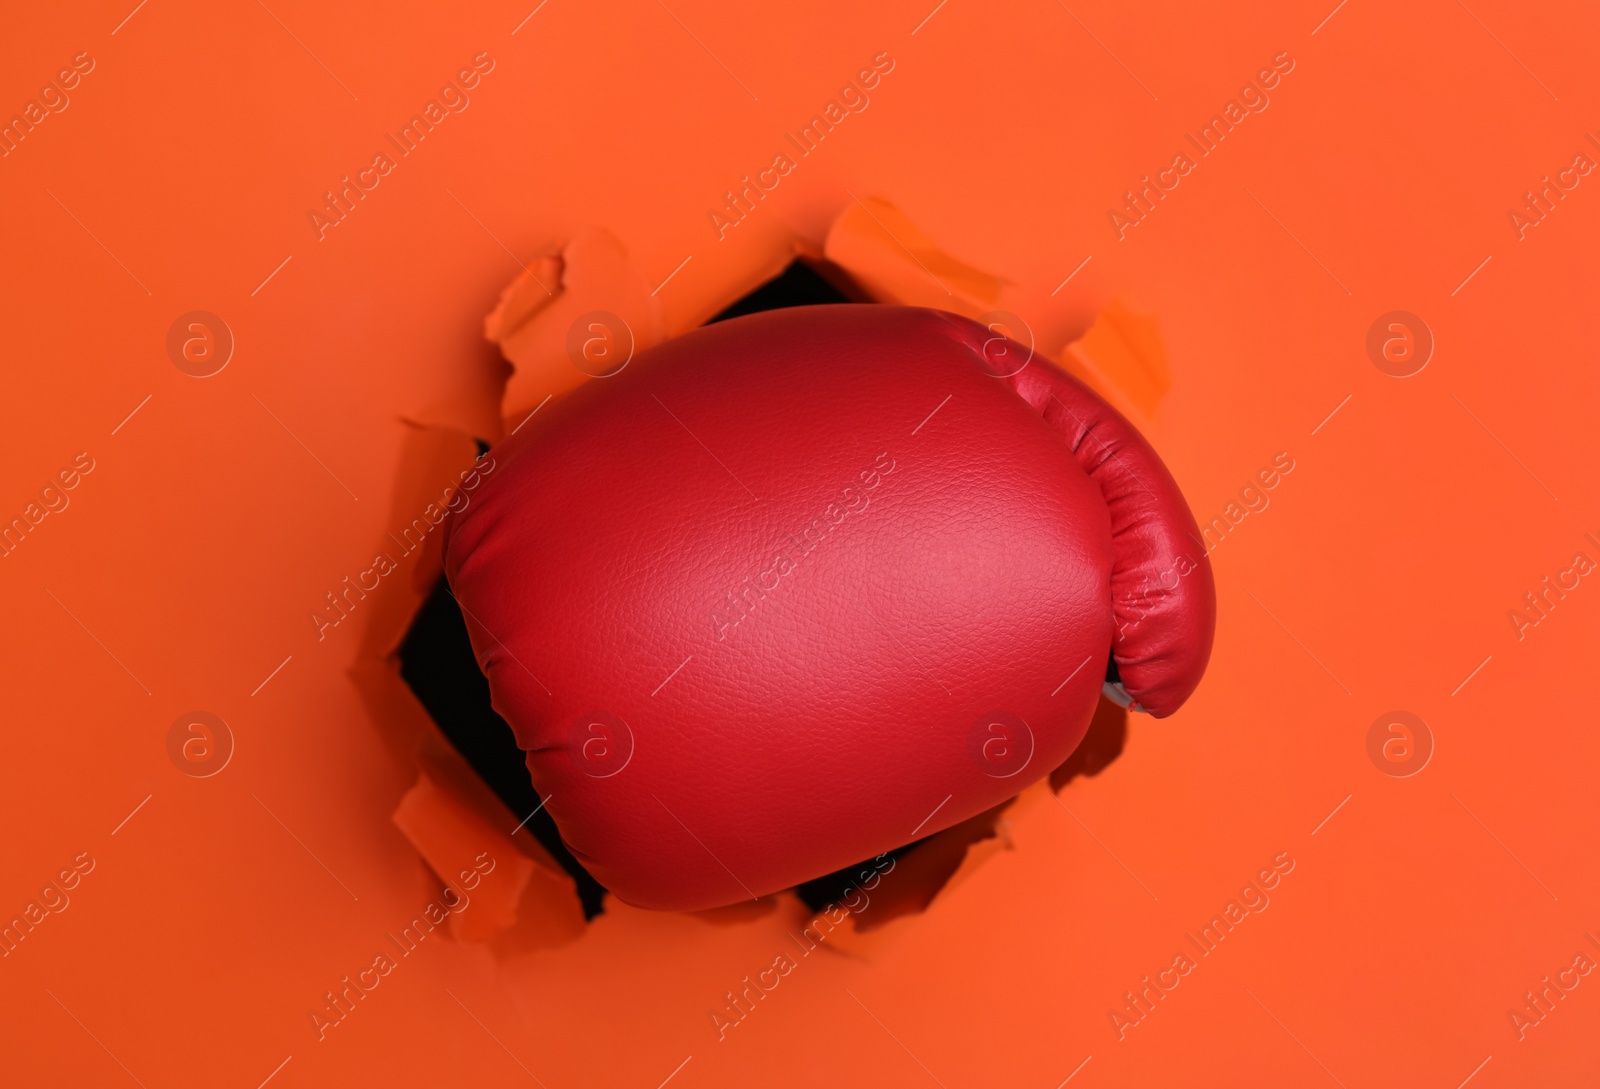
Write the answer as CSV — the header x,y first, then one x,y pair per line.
x,y
798,588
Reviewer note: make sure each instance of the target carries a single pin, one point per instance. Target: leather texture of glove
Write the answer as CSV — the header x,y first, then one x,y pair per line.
x,y
797,588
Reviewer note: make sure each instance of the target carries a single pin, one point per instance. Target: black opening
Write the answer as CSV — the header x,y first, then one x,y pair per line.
x,y
797,285
436,662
